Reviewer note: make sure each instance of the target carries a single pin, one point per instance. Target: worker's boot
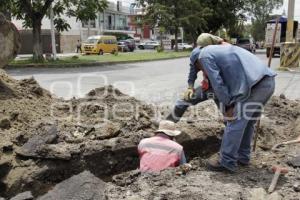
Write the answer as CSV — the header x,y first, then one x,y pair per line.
x,y
175,115
213,164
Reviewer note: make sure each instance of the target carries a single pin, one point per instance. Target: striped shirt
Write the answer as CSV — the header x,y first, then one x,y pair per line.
x,y
159,152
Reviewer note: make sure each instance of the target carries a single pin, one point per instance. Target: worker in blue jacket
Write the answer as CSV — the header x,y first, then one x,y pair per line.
x,y
192,96
243,85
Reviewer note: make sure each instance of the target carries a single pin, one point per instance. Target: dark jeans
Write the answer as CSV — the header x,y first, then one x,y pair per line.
x,y
238,134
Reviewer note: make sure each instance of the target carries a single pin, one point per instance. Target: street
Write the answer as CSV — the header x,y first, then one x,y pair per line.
x,y
158,81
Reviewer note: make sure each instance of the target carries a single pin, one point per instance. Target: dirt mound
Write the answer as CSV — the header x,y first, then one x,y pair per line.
x,y
47,140
10,42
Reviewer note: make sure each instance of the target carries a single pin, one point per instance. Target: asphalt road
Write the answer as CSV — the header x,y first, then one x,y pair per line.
x,y
158,82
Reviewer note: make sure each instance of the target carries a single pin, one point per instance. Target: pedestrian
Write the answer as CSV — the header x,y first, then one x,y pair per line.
x,y
161,151
78,46
243,85
192,96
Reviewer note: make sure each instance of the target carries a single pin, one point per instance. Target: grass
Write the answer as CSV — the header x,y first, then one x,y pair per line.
x,y
107,58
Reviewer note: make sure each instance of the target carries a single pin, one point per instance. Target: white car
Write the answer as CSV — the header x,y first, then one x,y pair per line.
x,y
149,45
184,46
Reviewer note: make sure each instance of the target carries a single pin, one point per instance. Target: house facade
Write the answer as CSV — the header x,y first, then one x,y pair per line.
x,y
115,19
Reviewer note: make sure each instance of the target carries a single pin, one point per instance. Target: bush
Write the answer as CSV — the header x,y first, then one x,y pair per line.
x,y
160,49
75,57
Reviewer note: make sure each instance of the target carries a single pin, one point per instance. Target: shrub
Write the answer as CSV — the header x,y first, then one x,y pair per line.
x,y
160,49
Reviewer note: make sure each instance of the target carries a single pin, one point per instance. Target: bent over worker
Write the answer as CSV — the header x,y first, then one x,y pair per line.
x,y
160,151
193,96
243,85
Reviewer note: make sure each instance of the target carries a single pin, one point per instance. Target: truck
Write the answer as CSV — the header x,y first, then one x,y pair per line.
x,y
280,35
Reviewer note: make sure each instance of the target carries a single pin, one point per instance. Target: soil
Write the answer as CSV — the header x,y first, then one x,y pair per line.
x,y
10,41
46,141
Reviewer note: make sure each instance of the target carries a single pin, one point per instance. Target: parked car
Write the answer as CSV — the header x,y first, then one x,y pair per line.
x,y
247,44
130,43
123,47
184,46
149,45
100,44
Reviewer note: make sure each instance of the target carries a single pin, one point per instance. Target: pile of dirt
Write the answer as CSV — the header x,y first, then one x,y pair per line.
x,y
46,141
10,41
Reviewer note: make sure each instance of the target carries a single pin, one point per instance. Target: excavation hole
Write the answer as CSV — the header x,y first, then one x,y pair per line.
x,y
104,164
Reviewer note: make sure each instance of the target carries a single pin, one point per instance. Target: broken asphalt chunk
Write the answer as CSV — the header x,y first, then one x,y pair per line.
x,y
84,186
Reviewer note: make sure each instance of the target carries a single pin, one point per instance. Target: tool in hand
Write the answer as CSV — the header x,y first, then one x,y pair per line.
x,y
275,147
278,170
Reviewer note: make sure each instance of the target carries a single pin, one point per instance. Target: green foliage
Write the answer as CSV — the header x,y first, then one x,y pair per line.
x,y
33,11
107,58
119,36
164,14
260,13
195,16
160,49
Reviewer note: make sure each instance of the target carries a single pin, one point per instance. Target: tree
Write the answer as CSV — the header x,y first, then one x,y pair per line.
x,y
164,14
33,12
259,11
195,16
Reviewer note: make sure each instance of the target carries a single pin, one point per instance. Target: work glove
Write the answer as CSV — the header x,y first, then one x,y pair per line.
x,y
189,94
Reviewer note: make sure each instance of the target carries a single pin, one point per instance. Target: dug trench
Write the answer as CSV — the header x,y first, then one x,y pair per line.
x,y
104,164
45,140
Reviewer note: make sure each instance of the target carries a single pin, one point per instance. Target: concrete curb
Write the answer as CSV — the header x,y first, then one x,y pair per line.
x,y
87,64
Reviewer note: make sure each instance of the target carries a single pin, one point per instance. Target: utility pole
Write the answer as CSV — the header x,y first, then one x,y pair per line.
x,y
290,23
53,43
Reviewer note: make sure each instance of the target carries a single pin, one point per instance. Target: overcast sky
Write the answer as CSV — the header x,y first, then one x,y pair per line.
x,y
285,7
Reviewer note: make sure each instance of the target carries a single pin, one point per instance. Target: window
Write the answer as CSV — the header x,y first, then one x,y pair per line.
x,y
85,24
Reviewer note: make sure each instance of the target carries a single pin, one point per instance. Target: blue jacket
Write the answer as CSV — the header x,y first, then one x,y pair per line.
x,y
232,71
193,70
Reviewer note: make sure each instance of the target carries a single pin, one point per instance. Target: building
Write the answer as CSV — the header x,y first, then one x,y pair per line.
x,y
115,19
141,31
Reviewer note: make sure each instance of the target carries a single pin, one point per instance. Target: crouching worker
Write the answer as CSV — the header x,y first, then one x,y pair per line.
x,y
160,151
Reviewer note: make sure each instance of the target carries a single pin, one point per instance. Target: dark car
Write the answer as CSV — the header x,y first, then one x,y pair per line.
x,y
123,47
130,43
247,44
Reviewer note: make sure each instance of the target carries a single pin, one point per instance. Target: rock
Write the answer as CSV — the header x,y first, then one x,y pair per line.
x,y
5,167
5,123
7,147
35,144
84,186
14,115
296,187
107,131
282,96
20,139
295,162
37,90
54,151
23,196
258,194
1,198
274,196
